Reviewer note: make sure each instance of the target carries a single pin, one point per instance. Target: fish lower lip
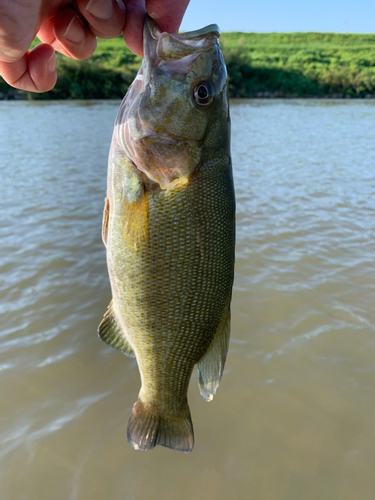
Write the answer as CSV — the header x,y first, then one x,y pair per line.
x,y
151,34
152,27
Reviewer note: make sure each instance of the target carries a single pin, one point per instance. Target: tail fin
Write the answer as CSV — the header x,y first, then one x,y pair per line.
x,y
148,428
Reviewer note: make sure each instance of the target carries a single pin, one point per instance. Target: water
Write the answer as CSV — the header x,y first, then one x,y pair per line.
x,y
294,415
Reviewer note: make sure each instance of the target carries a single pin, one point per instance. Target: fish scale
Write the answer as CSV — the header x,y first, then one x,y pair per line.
x,y
170,246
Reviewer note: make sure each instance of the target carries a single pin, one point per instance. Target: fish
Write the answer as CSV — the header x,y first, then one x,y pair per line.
x,y
169,231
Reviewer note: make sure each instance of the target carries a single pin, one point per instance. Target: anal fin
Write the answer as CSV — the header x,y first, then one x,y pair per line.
x,y
211,365
112,334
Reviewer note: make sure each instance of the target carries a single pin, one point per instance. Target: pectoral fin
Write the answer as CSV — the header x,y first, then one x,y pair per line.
x,y
136,220
211,365
112,334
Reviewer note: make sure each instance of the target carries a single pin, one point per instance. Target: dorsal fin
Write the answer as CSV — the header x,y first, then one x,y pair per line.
x,y
105,221
112,334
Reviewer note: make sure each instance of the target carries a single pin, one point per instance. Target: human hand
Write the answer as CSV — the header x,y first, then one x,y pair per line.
x,y
71,27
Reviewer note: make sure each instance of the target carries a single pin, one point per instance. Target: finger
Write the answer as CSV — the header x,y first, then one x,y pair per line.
x,y
106,18
168,14
17,28
47,35
35,71
73,37
133,30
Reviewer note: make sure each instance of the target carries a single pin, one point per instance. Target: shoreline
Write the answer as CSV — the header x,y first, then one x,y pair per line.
x,y
331,98
19,95
260,65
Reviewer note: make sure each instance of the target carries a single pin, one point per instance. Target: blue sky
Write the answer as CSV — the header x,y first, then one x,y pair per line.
x,y
274,15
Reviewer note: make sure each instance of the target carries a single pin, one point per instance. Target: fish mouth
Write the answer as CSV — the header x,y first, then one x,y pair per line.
x,y
152,30
161,46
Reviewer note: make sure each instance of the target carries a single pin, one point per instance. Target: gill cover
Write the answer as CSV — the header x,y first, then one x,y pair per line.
x,y
162,125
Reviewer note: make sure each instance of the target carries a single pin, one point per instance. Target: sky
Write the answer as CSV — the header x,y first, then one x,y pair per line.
x,y
345,16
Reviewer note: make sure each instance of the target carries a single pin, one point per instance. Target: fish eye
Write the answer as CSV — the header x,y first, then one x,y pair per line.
x,y
203,93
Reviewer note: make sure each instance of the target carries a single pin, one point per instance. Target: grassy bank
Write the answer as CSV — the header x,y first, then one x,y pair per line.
x,y
259,65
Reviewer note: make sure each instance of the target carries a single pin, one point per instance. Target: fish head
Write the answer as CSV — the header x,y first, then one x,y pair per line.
x,y
176,112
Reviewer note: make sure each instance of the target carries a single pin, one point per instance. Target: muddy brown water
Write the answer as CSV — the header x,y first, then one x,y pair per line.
x,y
294,417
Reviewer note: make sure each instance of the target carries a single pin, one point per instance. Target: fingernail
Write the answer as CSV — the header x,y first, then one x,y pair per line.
x,y
75,31
51,63
102,9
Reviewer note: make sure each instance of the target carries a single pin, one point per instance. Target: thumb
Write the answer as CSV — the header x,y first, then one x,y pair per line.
x,y
16,36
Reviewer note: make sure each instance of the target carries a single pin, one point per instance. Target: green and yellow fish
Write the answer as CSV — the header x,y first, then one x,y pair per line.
x,y
169,229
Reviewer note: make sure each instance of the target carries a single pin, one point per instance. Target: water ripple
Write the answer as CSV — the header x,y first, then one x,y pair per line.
x,y
297,395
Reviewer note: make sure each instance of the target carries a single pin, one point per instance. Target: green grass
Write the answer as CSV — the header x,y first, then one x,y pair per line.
x,y
259,65
300,64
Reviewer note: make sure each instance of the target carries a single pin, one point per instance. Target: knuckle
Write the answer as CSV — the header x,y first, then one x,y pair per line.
x,y
14,41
